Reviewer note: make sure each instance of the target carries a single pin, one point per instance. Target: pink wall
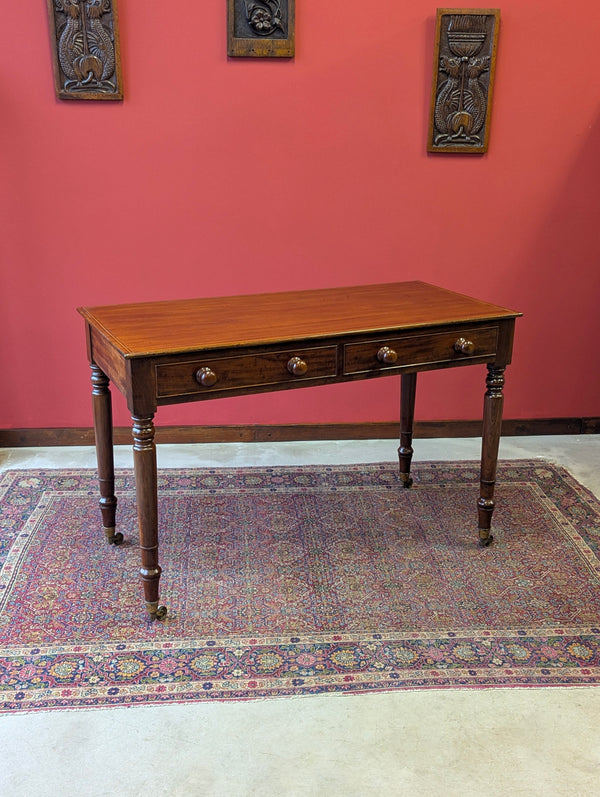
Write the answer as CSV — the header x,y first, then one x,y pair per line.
x,y
219,176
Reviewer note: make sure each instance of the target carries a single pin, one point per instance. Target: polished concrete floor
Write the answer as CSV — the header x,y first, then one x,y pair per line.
x,y
436,742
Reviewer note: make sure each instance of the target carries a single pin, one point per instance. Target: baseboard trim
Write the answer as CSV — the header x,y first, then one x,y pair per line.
x,y
82,436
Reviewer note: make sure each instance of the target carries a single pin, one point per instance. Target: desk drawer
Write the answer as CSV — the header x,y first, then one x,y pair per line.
x,y
211,375
404,351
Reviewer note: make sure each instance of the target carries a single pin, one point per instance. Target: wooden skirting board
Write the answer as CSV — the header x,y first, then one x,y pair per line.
x,y
83,436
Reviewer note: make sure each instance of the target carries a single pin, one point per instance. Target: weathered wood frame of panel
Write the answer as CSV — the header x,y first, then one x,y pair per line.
x,y
86,51
276,18
464,65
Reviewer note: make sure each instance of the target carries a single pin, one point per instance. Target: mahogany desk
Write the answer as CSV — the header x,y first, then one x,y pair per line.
x,y
197,349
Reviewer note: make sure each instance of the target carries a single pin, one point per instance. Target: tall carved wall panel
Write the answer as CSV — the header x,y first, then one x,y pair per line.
x,y
85,49
464,64
261,28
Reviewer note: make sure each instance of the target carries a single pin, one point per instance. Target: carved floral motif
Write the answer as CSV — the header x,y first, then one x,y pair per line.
x,y
264,17
261,28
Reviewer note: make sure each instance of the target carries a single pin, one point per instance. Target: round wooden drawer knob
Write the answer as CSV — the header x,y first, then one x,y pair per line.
x,y
464,346
206,377
297,366
387,356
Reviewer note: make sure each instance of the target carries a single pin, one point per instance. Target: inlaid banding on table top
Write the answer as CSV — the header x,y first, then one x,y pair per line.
x,y
187,325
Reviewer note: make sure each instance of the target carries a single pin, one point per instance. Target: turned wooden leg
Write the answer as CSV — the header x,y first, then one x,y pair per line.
x,y
407,414
102,408
144,462
492,427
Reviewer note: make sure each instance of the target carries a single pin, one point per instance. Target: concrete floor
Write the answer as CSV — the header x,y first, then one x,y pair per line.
x,y
451,742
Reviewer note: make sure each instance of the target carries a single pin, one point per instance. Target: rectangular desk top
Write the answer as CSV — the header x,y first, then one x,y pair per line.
x,y
155,328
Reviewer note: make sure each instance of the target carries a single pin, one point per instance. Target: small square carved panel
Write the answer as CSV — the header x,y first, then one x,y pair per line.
x,y
464,64
84,36
261,28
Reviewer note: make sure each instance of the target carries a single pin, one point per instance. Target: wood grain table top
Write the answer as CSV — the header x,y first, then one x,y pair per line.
x,y
154,328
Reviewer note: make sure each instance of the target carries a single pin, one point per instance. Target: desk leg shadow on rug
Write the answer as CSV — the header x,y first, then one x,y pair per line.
x,y
297,581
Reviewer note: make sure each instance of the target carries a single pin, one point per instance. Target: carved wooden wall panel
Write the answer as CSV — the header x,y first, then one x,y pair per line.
x,y
84,36
464,64
261,28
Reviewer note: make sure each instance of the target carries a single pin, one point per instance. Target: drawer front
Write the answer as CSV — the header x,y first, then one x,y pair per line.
x,y
405,351
212,375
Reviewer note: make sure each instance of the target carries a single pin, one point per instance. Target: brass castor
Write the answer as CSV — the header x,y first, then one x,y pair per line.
x,y
156,612
485,542
406,480
113,537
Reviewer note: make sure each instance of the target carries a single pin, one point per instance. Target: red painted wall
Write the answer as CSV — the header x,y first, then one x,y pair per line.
x,y
219,176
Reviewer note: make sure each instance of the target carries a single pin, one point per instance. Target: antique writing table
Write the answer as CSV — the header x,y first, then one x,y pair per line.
x,y
196,349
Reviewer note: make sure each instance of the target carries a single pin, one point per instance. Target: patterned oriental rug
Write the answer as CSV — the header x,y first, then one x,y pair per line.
x,y
296,581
